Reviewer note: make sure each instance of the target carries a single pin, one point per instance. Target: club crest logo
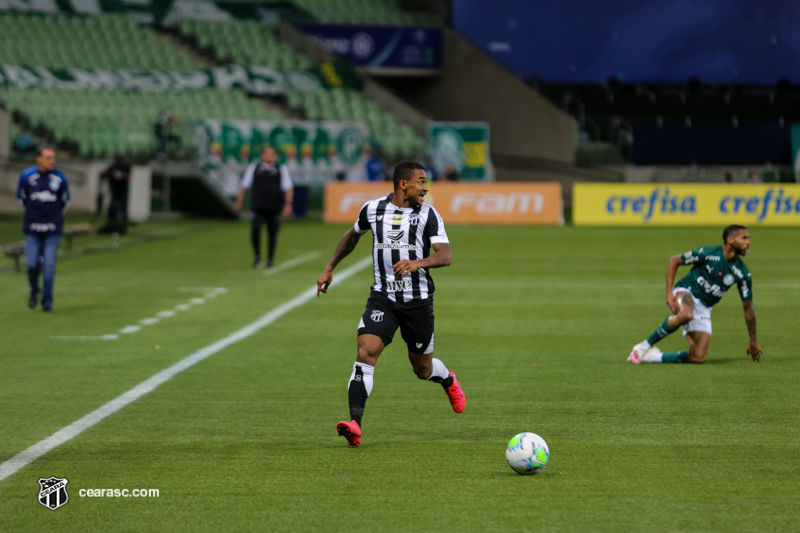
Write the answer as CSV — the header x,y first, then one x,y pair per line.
x,y
53,492
728,279
395,234
413,219
377,316
54,183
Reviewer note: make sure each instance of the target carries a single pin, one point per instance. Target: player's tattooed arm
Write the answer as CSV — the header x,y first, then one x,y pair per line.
x,y
346,245
753,349
441,257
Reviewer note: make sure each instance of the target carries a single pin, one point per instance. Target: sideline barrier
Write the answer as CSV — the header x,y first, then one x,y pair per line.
x,y
669,204
459,203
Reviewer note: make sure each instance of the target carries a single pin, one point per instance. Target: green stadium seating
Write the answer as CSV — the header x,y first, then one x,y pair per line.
x,y
108,123
104,41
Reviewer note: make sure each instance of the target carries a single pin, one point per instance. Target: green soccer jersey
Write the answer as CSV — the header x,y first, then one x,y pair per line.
x,y
711,275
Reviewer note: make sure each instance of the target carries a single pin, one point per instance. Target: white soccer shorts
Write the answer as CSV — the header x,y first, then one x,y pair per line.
x,y
702,314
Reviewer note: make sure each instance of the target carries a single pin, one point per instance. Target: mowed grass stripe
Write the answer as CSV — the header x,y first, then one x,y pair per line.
x,y
246,441
34,452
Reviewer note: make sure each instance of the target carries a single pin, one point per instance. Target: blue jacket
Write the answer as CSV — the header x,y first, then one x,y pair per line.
x,y
45,198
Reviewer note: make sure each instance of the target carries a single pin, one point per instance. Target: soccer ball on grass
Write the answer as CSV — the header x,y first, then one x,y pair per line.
x,y
527,453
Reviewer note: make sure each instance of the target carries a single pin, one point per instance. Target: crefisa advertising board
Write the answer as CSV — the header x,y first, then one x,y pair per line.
x,y
674,204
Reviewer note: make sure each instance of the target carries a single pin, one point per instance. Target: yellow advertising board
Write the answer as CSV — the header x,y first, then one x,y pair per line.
x,y
459,203
672,204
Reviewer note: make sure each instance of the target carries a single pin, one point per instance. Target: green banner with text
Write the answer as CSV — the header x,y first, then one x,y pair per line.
x,y
260,81
315,152
462,145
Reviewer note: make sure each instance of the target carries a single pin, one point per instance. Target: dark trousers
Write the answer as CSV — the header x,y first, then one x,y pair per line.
x,y
273,221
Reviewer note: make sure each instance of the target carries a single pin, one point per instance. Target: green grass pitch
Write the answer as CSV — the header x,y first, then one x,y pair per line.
x,y
537,323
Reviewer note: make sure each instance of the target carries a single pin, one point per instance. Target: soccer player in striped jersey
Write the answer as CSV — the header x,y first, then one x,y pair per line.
x,y
404,229
716,269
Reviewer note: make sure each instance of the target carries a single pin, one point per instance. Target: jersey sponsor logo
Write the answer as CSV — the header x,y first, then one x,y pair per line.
x,y
709,288
377,316
728,279
712,258
400,285
493,203
745,291
737,272
37,226
397,246
395,234
687,255
44,196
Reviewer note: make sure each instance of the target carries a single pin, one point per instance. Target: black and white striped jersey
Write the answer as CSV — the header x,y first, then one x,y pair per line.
x,y
401,233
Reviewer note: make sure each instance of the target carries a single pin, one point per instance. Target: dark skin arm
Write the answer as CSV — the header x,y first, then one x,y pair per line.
x,y
441,257
343,249
753,349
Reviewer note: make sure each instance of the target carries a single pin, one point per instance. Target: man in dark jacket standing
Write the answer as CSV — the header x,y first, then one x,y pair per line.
x,y
44,193
271,195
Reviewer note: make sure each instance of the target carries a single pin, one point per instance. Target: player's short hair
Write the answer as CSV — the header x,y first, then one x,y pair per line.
x,y
42,147
729,230
404,170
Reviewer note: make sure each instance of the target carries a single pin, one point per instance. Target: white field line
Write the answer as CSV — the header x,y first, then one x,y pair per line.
x,y
26,457
210,292
109,337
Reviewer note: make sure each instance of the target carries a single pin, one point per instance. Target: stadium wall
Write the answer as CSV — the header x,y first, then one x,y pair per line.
x,y
473,87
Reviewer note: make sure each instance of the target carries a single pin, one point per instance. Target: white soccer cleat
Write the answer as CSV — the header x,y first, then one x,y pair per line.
x,y
650,355
637,353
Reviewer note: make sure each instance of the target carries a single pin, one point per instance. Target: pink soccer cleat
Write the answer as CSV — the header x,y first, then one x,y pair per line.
x,y
633,358
456,394
637,354
351,431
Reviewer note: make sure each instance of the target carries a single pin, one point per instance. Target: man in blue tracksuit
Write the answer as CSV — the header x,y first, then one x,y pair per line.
x,y
44,193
